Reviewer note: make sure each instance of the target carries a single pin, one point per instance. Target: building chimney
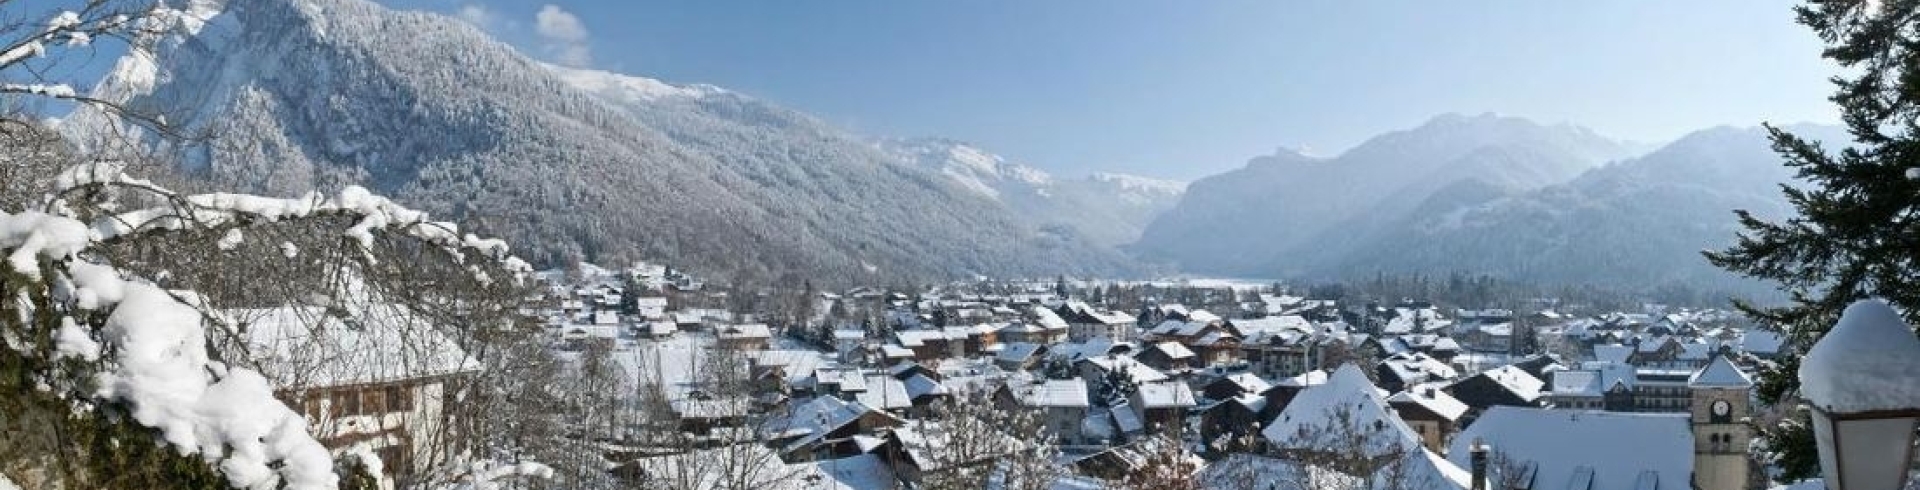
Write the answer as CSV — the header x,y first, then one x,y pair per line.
x,y
1478,456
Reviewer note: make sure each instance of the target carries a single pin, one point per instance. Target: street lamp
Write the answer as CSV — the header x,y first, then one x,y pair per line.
x,y
1862,380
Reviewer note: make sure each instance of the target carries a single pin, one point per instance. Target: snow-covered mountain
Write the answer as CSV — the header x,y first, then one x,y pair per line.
x,y
1636,224
568,164
1283,211
1533,203
1111,208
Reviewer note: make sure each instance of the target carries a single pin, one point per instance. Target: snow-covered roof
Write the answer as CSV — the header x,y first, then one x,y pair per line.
x,y
848,380
1049,392
1173,394
1017,352
1414,367
1168,327
1273,324
1047,318
306,346
1139,373
885,393
1248,382
1612,352
1614,447
1173,350
1315,377
1695,351
1423,470
920,385
661,328
796,363
1516,380
1303,424
895,351
1720,373
1434,400
1202,316
746,331
604,317
1863,362
811,419
1576,383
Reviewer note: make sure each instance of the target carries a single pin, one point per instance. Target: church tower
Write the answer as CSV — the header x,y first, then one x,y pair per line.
x,y
1720,436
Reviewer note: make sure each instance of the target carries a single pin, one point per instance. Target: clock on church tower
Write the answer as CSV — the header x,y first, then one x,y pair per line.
x,y
1720,436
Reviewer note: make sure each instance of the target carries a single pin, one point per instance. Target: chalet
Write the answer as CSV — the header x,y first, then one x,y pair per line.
x,y
656,330
372,376
1226,420
1283,391
1168,356
1084,323
1661,390
1432,413
650,307
846,340
751,336
1063,403
1019,356
886,393
1279,354
1538,365
812,430
1485,337
1162,406
1657,351
1097,368
1399,371
1577,389
927,345
580,337
1302,427
1234,386
1502,386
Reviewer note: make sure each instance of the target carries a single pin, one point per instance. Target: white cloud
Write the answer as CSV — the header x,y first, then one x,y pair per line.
x,y
564,34
478,15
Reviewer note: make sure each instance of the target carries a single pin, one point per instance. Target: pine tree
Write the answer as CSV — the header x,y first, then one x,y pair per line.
x,y
1856,232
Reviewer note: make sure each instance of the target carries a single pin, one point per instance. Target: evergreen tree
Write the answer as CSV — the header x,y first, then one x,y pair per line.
x,y
1857,229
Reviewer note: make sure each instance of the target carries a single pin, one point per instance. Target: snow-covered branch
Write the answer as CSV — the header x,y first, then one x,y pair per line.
x,y
150,347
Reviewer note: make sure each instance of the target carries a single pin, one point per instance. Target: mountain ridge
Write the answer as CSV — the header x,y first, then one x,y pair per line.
x,y
322,93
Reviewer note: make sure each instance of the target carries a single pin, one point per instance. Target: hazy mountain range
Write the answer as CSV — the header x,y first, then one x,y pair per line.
x,y
584,164
1485,194
1111,208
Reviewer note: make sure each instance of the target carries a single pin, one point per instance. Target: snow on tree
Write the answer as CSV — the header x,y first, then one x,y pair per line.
x,y
111,333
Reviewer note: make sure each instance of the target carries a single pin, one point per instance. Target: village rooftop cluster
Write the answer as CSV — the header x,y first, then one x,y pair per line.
x,y
1239,375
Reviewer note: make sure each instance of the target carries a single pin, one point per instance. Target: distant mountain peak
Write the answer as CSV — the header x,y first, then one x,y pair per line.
x,y
970,166
1137,183
630,87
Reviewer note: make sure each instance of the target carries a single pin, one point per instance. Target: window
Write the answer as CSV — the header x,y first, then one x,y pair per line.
x,y
399,399
345,403
373,402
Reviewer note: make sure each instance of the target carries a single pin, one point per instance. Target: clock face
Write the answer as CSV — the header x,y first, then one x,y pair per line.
x,y
1721,407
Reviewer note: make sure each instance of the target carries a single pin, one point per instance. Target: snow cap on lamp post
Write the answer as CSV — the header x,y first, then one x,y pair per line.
x,y
1862,380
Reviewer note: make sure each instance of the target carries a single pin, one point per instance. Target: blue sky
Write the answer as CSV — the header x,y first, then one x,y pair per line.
x,y
1186,89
